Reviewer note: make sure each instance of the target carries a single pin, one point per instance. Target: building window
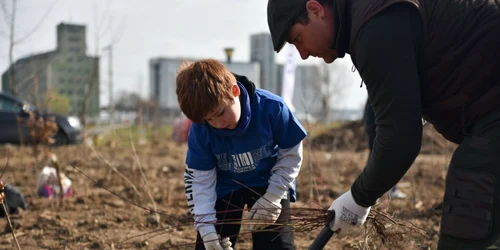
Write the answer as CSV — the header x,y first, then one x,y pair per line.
x,y
72,29
74,39
76,50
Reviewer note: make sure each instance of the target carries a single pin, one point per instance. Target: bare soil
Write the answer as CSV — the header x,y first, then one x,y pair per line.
x,y
94,218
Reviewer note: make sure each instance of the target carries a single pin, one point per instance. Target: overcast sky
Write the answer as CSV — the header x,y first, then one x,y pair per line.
x,y
142,29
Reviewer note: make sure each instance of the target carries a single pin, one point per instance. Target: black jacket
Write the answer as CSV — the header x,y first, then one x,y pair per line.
x,y
419,58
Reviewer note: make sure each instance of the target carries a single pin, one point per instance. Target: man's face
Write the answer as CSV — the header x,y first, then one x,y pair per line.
x,y
227,114
316,37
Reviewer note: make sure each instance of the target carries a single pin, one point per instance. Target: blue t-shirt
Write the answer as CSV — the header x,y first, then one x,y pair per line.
x,y
250,157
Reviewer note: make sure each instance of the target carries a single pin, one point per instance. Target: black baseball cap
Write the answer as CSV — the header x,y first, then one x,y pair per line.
x,y
281,16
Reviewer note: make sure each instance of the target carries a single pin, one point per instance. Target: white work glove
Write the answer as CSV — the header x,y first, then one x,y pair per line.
x,y
347,213
212,241
264,212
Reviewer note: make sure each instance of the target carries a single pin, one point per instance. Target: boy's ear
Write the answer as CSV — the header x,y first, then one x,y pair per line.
x,y
236,90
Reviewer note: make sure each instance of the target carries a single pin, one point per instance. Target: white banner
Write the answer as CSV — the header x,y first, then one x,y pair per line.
x,y
288,83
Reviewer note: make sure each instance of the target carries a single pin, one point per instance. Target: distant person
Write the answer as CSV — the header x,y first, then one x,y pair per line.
x,y
371,131
241,133
180,130
433,59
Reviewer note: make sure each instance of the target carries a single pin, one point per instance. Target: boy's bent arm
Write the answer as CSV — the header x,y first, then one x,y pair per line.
x,y
268,207
285,170
288,134
201,197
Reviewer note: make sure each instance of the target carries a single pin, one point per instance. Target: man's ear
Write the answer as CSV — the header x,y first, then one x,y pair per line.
x,y
236,90
315,9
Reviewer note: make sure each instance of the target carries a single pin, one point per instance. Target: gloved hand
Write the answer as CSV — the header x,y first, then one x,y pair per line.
x,y
266,210
347,213
212,241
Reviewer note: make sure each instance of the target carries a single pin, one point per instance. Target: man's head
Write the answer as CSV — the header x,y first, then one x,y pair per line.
x,y
208,92
307,24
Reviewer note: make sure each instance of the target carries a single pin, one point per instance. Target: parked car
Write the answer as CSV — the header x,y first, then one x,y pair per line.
x,y
11,131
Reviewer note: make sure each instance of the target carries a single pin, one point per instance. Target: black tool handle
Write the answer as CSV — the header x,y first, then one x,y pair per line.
x,y
323,238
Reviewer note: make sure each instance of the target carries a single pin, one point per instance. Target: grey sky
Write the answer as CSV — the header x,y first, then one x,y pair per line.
x,y
151,28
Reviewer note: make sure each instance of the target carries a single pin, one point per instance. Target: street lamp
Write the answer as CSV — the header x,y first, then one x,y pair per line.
x,y
229,53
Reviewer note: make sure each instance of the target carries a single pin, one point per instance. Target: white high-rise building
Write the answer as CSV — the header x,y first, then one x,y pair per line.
x,y
163,72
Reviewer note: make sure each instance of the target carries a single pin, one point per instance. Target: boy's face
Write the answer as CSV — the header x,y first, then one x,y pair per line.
x,y
227,114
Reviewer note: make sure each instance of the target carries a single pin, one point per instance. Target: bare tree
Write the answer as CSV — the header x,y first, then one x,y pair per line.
x,y
331,88
92,80
102,24
10,20
128,101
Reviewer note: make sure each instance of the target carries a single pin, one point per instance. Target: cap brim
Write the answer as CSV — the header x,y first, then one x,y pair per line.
x,y
282,40
280,22
280,47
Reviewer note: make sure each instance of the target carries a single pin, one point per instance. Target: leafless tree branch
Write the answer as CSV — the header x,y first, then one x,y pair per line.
x,y
32,31
6,15
119,31
12,81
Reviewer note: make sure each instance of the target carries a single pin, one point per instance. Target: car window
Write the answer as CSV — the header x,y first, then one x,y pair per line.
x,y
8,105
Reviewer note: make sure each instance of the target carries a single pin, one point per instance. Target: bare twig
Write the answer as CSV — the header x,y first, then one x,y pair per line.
x,y
5,12
12,81
115,194
53,159
37,26
10,225
144,180
111,165
2,200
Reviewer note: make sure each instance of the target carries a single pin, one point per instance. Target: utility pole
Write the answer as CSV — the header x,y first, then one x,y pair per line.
x,y
111,105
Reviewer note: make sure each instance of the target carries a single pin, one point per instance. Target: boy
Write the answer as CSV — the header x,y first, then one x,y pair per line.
x,y
240,135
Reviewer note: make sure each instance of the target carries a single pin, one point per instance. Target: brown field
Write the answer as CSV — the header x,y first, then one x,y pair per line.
x,y
93,218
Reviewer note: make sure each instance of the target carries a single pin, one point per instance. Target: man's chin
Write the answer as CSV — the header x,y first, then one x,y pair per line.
x,y
329,59
330,56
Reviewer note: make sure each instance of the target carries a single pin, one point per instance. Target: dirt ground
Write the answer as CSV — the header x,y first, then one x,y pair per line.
x,y
94,218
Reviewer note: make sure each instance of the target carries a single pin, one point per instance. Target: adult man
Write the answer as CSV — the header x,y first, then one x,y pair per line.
x,y
371,132
436,59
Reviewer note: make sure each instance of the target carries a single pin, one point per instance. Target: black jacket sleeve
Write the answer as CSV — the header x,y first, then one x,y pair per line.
x,y
386,56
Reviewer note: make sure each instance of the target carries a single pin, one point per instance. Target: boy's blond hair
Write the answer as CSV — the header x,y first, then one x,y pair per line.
x,y
201,86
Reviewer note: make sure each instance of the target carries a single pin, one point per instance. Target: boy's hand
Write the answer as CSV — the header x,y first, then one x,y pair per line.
x,y
347,213
212,241
266,211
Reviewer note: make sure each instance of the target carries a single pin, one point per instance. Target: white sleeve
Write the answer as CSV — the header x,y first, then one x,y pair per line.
x,y
285,170
201,197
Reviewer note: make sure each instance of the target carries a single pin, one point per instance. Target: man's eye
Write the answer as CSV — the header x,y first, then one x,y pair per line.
x,y
221,113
